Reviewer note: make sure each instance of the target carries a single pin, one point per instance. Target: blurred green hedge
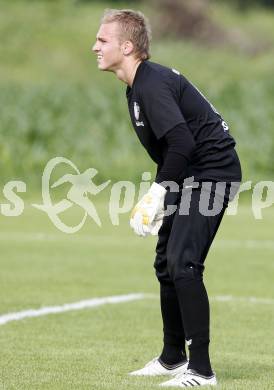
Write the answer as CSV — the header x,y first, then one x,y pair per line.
x,y
239,3
246,4
55,102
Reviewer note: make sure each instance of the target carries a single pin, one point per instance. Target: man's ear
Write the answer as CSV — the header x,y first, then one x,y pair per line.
x,y
127,48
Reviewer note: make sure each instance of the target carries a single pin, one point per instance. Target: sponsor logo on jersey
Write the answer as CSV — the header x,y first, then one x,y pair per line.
x,y
139,123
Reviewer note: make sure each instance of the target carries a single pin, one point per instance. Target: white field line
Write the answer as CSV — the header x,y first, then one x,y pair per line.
x,y
94,302
88,303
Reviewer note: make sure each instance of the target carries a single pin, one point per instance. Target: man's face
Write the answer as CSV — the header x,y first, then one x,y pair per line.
x,y
108,48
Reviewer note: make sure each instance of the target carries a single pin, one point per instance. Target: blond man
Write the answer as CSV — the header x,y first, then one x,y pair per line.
x,y
190,143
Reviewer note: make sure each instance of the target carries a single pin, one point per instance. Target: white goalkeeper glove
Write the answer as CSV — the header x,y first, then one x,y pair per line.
x,y
155,225
147,215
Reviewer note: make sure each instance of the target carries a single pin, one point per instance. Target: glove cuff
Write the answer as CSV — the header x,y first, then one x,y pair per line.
x,y
157,190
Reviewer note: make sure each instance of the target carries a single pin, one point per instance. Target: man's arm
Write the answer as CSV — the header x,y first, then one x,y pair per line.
x,y
180,146
148,214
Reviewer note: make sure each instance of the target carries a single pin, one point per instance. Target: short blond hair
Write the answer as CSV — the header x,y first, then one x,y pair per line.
x,y
134,27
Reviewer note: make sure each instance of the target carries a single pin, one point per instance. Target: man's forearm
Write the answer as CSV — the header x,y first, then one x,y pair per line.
x,y
173,169
180,145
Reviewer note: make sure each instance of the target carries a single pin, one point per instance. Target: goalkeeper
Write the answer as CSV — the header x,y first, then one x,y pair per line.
x,y
187,138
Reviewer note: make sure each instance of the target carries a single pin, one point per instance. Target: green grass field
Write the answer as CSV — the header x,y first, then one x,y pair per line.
x,y
95,348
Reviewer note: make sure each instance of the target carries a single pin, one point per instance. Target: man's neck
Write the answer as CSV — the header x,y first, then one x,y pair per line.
x,y
127,72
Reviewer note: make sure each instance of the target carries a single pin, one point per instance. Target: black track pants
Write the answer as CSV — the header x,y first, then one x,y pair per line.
x,y
183,244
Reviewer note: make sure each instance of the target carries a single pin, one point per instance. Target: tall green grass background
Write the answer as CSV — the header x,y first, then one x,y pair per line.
x,y
54,101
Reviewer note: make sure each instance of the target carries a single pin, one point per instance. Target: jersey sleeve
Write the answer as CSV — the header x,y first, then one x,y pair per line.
x,y
161,106
180,146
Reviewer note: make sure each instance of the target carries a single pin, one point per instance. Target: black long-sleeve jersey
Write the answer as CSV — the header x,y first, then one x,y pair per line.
x,y
160,100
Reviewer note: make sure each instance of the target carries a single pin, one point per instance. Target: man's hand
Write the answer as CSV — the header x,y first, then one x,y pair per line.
x,y
147,215
155,225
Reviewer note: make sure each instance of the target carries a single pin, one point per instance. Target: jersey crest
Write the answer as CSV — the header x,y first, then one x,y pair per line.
x,y
136,111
